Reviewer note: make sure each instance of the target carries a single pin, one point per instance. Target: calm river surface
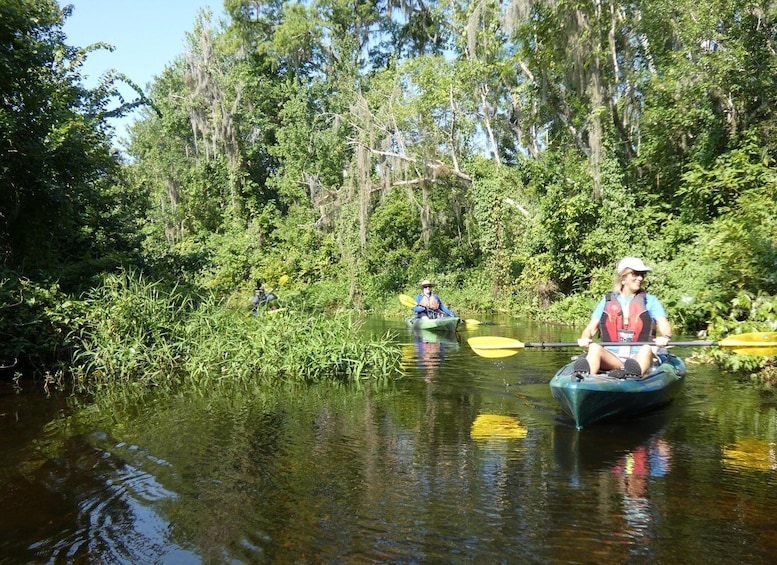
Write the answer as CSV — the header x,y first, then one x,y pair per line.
x,y
466,460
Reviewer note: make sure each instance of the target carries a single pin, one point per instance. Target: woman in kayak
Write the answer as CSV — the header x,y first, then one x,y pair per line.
x,y
428,304
627,314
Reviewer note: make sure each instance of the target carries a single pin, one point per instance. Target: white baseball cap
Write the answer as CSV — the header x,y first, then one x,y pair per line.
x,y
632,263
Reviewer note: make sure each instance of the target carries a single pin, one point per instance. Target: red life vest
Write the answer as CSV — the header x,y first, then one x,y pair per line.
x,y
636,326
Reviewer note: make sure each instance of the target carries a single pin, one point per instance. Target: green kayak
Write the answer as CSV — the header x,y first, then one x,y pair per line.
x,y
594,398
445,323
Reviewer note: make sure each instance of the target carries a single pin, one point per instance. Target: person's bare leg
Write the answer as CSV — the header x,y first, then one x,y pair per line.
x,y
600,358
644,357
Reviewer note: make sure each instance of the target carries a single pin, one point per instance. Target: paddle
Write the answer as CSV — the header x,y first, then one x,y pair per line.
x,y
281,282
410,303
763,343
406,301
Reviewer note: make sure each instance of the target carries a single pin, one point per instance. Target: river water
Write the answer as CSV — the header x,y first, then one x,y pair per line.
x,y
464,460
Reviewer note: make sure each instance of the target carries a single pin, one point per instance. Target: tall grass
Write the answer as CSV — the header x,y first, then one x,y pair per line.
x,y
140,336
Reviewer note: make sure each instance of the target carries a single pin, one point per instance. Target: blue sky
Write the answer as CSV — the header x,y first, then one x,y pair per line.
x,y
147,35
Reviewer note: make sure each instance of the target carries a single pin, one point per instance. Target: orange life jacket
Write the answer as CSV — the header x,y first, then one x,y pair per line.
x,y
430,302
636,325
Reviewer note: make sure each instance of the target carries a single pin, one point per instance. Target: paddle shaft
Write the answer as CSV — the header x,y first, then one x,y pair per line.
x,y
758,343
543,345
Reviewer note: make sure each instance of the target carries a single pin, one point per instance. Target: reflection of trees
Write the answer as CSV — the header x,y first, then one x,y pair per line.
x,y
334,474
306,477
66,497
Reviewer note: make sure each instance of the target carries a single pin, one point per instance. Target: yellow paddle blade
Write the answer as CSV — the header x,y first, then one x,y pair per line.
x,y
471,322
757,339
495,353
407,300
756,351
494,342
494,347
758,343
494,426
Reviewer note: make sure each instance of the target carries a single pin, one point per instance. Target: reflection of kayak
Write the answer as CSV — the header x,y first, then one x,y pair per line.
x,y
600,397
599,447
437,336
8,364
446,323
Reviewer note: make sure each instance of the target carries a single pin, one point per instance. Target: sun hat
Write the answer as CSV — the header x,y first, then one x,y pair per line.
x,y
425,282
634,264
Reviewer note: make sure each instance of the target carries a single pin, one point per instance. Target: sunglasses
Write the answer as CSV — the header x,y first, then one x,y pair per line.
x,y
636,274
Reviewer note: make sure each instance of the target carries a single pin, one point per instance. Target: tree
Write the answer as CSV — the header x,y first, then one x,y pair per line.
x,y
59,203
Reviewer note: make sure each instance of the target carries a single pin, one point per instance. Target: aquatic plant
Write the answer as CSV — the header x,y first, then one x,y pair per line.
x,y
140,336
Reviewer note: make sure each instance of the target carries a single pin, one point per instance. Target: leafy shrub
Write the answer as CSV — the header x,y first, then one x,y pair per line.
x,y
34,322
746,313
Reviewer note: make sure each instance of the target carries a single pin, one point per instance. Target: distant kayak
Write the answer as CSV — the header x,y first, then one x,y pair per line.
x,y
446,323
592,398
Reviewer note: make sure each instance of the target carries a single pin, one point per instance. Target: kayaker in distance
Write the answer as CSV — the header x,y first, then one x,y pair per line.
x,y
428,304
260,298
625,314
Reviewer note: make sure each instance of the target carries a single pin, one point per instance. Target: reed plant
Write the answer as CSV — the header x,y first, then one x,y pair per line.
x,y
142,336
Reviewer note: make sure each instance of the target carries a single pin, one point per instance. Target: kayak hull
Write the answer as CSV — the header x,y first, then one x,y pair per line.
x,y
601,397
444,324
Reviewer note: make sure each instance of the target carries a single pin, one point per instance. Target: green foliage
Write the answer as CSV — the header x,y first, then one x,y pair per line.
x,y
60,213
34,322
499,220
139,336
394,251
745,313
707,192
687,287
512,155
580,232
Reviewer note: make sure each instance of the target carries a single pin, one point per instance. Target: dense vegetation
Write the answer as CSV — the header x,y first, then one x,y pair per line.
x,y
513,151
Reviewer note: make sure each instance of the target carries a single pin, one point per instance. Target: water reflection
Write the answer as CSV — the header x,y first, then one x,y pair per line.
x,y
579,452
623,463
495,427
633,473
751,453
429,350
476,467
